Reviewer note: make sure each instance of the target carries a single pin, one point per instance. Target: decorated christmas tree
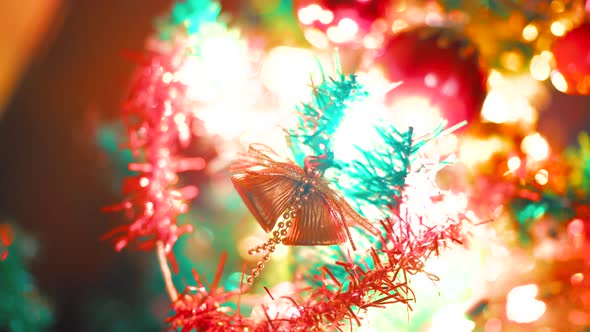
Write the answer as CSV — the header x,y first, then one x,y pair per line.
x,y
377,165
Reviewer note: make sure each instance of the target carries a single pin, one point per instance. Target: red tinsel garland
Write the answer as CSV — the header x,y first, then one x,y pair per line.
x,y
158,119
402,253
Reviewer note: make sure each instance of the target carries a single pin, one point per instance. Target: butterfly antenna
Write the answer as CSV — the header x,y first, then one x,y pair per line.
x,y
268,247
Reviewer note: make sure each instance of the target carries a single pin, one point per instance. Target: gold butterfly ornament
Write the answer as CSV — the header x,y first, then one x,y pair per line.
x,y
296,202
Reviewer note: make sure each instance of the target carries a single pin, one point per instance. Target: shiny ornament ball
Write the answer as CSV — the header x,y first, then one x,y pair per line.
x,y
439,68
572,59
341,22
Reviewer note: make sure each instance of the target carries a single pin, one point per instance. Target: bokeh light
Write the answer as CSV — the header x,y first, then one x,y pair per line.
x,y
522,305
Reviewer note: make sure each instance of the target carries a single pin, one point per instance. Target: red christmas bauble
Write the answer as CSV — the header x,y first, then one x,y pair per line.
x,y
341,22
572,58
438,66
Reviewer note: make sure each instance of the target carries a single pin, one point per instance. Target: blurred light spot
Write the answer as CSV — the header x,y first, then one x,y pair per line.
x,y
540,67
179,118
348,27
417,112
547,55
281,252
343,32
557,6
542,177
358,130
430,80
451,318
316,38
398,25
512,60
495,78
249,242
433,19
218,71
514,164
535,146
307,15
502,106
575,230
326,17
577,278
167,77
143,182
522,306
576,227
558,28
450,87
559,81
373,41
6,234
473,151
530,32
286,72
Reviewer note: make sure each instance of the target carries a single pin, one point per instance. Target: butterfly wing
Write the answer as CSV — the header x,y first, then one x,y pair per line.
x,y
267,194
316,224
348,215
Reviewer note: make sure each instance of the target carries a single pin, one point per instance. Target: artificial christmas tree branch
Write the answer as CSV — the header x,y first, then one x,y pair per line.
x,y
166,274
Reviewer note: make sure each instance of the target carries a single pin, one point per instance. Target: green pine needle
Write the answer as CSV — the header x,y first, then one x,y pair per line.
x,y
319,119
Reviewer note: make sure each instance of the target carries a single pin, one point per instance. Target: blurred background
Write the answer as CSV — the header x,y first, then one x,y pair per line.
x,y
66,67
